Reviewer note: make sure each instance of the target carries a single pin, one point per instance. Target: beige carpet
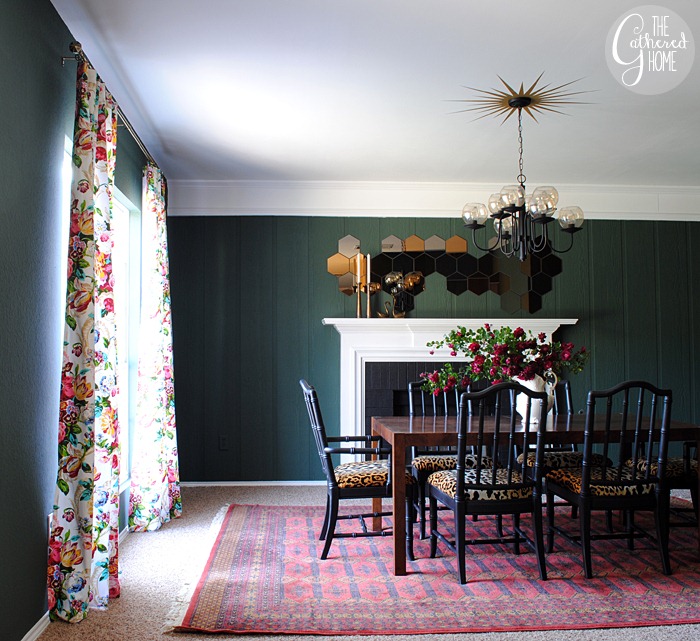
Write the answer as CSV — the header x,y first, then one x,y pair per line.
x,y
155,567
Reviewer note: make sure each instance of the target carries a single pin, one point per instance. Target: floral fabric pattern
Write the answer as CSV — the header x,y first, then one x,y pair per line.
x,y
83,544
155,483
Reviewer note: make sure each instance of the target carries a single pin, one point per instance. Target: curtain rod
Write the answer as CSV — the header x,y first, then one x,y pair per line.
x,y
79,54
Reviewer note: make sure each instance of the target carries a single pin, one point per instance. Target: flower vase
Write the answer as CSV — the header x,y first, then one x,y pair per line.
x,y
537,384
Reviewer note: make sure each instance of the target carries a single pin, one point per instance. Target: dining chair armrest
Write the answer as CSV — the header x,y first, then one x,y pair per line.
x,y
353,439
356,450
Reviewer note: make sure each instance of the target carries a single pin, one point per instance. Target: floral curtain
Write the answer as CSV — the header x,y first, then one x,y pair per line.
x,y
155,482
83,544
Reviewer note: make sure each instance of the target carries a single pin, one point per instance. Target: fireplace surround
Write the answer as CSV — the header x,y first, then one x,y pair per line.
x,y
402,340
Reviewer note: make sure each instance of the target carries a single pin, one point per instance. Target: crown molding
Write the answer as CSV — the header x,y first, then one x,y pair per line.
x,y
413,200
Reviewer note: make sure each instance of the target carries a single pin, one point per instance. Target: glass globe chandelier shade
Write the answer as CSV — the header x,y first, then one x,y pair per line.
x,y
521,220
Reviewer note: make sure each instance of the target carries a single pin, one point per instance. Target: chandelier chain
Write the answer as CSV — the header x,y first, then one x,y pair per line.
x,y
521,176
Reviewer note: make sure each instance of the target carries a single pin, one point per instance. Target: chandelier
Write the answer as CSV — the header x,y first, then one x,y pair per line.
x,y
521,220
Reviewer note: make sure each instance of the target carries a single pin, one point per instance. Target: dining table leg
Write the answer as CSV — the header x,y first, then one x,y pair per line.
x,y
398,495
398,498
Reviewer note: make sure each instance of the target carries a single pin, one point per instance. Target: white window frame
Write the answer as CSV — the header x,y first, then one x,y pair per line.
x,y
129,313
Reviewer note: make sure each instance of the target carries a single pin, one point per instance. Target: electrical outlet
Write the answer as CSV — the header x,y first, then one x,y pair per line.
x,y
223,442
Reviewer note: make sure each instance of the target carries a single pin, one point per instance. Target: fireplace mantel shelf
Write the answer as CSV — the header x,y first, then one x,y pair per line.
x,y
402,340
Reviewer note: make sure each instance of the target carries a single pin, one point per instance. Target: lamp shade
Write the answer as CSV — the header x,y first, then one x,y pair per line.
x,y
495,203
571,216
543,201
505,225
474,214
512,195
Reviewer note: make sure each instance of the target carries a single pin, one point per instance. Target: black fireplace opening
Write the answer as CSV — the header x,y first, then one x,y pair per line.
x,y
386,387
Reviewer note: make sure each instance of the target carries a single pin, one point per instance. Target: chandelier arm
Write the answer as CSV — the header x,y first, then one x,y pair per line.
x,y
563,251
476,244
534,244
518,233
508,253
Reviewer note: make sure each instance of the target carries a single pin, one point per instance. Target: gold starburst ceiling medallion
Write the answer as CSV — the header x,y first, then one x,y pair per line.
x,y
534,100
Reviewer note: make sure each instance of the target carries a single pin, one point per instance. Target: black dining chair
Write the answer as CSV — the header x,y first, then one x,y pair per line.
x,y
425,461
364,479
626,420
556,455
493,485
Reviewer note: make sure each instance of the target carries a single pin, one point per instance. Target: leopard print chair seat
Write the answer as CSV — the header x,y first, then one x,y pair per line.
x,y
571,479
366,474
681,474
554,460
675,467
446,482
427,463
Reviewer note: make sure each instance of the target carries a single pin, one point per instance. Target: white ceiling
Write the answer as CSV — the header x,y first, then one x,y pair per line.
x,y
360,90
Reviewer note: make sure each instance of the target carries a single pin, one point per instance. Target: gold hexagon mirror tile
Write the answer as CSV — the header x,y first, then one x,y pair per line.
x,y
414,244
456,245
338,264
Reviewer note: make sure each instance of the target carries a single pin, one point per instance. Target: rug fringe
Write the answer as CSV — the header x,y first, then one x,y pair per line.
x,y
182,600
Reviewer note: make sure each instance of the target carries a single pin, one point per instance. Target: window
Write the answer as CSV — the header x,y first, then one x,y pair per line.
x,y
126,264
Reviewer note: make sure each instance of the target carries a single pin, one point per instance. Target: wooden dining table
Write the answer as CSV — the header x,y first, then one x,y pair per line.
x,y
402,432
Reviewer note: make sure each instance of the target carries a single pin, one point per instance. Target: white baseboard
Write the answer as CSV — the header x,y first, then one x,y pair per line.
x,y
123,534
249,483
38,628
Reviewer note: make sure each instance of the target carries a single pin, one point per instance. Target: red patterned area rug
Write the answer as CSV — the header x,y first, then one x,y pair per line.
x,y
264,576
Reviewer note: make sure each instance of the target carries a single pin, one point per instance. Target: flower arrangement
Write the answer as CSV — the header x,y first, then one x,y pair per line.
x,y
497,355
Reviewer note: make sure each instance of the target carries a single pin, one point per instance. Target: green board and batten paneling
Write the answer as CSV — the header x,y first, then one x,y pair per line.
x,y
249,294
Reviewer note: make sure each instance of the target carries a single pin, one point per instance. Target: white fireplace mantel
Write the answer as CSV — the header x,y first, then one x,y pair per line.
x,y
365,340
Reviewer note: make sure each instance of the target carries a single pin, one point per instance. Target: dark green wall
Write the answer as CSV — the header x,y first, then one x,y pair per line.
x,y
249,294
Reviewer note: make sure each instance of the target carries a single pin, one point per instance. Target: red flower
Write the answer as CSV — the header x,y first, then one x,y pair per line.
x,y
495,354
